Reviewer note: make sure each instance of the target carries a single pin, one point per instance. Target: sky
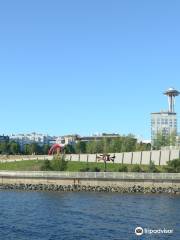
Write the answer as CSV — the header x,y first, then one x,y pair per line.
x,y
87,67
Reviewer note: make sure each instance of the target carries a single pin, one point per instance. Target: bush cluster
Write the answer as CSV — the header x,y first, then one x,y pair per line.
x,y
173,166
57,164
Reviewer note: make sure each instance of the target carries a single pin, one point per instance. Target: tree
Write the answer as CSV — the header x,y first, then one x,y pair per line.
x,y
35,148
129,143
4,148
27,149
80,147
14,148
172,139
32,148
91,147
116,145
45,149
162,140
143,146
68,149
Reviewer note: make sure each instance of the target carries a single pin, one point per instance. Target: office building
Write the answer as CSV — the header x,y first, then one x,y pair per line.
x,y
165,122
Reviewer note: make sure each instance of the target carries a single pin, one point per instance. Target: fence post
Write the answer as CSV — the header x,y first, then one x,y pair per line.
x,y
122,157
150,156
169,155
141,157
159,157
132,158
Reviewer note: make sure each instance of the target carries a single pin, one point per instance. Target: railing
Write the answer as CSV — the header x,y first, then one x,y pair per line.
x,y
90,175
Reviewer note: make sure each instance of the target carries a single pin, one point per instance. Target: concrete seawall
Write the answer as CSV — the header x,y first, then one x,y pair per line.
x,y
91,181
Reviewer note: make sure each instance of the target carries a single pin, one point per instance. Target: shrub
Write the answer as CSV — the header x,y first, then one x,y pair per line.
x,y
84,169
95,169
123,168
136,168
46,166
59,163
152,168
173,166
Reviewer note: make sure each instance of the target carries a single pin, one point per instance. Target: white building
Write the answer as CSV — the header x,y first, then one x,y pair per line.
x,y
164,123
23,139
67,140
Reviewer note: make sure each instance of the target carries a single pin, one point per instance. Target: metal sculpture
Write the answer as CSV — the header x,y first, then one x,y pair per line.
x,y
106,158
56,148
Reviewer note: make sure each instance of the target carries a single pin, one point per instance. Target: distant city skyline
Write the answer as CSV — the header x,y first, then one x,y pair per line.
x,y
87,66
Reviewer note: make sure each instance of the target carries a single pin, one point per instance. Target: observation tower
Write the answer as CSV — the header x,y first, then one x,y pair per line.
x,y
171,93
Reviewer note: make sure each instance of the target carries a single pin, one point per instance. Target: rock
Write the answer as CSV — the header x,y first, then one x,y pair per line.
x,y
88,188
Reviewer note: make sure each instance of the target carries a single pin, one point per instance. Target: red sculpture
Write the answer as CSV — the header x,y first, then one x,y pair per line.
x,y
55,148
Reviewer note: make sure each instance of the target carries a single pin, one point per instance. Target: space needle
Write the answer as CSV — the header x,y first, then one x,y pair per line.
x,y
171,93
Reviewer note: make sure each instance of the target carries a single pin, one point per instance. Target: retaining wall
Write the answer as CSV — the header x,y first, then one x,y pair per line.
x,y
117,179
159,157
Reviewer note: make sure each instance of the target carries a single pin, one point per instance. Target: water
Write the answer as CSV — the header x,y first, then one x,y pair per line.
x,y
91,216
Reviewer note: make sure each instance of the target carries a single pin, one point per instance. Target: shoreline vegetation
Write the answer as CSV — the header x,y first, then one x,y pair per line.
x,y
60,164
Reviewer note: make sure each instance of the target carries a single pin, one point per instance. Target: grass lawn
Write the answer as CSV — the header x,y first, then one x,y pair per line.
x,y
28,165
35,165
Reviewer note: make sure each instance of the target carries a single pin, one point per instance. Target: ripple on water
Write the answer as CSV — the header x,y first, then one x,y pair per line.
x,y
49,215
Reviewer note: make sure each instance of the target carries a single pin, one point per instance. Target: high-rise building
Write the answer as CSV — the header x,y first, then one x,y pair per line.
x,y
165,122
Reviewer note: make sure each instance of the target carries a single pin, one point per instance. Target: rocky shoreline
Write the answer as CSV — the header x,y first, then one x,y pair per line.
x,y
84,188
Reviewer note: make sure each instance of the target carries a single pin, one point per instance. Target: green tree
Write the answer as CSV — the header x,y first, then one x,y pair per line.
x,y
162,140
45,149
35,149
129,143
116,145
143,146
14,148
80,147
99,146
4,148
91,147
68,149
172,139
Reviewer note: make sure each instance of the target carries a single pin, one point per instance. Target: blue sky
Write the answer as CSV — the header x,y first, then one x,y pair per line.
x,y
87,66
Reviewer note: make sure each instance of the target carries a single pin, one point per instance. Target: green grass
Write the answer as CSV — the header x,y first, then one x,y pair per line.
x,y
29,165
35,165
